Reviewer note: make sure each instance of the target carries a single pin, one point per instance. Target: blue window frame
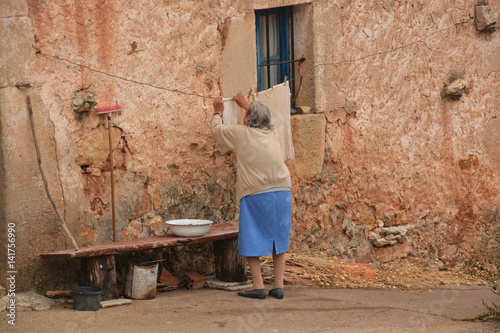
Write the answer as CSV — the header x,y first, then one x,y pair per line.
x,y
273,46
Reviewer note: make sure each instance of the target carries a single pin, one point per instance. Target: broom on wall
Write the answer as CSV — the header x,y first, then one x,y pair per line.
x,y
39,160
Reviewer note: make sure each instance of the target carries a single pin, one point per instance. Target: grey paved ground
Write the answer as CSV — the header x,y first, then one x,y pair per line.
x,y
304,309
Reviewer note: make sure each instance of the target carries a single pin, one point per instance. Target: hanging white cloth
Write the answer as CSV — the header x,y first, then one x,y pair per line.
x,y
230,115
277,99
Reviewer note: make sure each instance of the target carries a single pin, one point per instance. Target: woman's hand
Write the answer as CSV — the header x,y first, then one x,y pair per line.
x,y
219,105
241,100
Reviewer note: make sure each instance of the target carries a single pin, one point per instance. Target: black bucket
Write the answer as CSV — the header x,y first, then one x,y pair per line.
x,y
86,298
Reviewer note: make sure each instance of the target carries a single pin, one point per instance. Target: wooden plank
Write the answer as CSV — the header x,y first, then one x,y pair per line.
x,y
218,231
115,302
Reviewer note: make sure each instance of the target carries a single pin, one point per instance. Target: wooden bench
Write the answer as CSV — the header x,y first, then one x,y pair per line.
x,y
99,260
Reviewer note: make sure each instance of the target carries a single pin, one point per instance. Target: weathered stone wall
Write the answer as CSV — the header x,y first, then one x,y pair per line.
x,y
383,148
403,154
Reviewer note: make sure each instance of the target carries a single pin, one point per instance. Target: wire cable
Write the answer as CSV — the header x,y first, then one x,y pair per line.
x,y
38,51
391,50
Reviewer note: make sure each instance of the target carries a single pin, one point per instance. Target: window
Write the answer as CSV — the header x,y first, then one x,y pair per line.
x,y
275,48
273,53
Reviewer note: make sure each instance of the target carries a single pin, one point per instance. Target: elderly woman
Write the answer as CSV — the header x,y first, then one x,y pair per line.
x,y
263,190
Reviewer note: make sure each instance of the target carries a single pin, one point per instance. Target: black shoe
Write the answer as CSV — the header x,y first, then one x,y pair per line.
x,y
277,293
255,293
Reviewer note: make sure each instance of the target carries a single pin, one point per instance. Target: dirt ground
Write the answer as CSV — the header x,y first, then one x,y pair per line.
x,y
322,295
304,309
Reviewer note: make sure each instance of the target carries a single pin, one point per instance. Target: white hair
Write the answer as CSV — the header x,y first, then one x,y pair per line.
x,y
259,115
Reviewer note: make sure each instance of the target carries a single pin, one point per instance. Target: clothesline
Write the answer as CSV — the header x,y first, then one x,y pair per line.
x,y
40,52
421,39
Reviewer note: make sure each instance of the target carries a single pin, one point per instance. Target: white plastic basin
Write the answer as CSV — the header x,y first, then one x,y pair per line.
x,y
189,227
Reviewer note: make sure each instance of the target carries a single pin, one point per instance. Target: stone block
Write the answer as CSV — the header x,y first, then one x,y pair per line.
x,y
485,19
388,236
455,89
84,100
308,132
16,58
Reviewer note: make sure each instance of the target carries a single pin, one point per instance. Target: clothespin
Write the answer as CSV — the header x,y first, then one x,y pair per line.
x,y
250,96
257,91
284,83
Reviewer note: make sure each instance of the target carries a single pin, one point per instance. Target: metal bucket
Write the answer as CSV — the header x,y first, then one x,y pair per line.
x,y
141,280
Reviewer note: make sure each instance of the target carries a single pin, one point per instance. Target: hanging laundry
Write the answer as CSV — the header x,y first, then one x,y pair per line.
x,y
277,99
230,112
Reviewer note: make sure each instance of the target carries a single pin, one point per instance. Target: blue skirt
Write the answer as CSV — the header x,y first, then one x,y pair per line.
x,y
265,221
